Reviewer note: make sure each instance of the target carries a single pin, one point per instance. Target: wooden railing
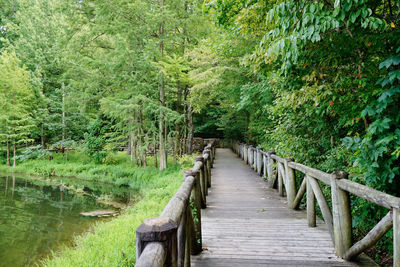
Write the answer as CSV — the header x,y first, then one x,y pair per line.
x,y
170,239
281,172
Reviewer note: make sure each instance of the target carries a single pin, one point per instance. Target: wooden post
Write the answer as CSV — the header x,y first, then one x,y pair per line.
x,y
341,213
245,153
280,180
290,183
396,237
255,159
195,195
265,164
311,217
159,229
270,169
182,231
248,155
203,180
189,233
259,161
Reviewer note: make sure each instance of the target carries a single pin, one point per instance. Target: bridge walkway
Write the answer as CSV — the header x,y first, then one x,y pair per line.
x,y
247,224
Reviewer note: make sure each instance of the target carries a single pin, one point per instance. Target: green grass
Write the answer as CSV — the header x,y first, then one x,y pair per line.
x,y
113,243
119,170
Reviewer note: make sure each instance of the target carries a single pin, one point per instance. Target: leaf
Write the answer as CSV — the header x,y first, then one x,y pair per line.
x,y
337,4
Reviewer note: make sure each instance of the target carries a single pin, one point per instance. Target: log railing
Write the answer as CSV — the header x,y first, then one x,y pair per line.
x,y
281,173
170,239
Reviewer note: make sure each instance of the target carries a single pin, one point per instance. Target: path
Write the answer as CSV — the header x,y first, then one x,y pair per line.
x,y
247,224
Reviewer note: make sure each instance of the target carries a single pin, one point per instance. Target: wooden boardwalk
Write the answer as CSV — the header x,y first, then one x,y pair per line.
x,y
247,224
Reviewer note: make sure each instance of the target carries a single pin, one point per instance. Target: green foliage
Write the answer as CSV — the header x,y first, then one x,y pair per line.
x,y
34,152
95,140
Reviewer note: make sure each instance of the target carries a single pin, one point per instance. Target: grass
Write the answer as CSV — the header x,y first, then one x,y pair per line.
x,y
113,243
117,170
109,243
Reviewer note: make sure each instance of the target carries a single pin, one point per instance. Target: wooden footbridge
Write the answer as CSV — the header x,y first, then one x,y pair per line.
x,y
226,214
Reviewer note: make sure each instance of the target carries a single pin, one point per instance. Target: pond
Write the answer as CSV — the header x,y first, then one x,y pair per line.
x,y
39,216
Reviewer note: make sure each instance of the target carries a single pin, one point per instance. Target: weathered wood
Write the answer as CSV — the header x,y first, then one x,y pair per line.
x,y
341,212
311,215
371,238
323,205
365,192
259,161
396,237
300,194
248,224
245,154
203,182
153,256
319,175
176,205
255,159
270,168
265,165
290,183
159,229
182,232
189,236
195,195
280,179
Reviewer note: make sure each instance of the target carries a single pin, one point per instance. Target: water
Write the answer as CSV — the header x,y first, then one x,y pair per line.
x,y
36,217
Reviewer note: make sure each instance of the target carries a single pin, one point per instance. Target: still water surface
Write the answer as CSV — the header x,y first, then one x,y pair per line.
x,y
36,217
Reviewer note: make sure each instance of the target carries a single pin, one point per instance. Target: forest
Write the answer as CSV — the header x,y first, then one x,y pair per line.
x,y
314,80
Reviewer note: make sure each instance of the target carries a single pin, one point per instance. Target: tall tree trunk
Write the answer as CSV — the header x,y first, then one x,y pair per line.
x,y
42,136
8,152
15,155
63,113
162,128
190,130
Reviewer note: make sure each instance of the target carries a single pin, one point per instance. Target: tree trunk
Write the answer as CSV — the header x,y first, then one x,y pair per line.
x,y
15,155
162,129
190,130
42,136
8,152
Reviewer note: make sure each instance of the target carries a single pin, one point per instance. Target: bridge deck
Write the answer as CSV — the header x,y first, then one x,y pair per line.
x,y
247,224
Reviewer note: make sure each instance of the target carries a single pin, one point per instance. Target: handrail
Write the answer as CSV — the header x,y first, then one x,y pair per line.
x,y
281,172
170,239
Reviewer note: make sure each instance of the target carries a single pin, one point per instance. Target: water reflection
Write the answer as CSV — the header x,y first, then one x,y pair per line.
x,y
36,218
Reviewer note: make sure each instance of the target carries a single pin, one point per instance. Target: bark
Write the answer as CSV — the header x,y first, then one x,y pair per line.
x,y
162,129
8,152
189,140
15,155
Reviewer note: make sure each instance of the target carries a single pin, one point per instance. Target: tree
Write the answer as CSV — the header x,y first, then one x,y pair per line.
x,y
16,103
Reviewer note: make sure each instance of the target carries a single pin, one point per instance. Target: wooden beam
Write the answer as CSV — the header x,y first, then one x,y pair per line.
x,y
341,213
371,238
323,205
311,216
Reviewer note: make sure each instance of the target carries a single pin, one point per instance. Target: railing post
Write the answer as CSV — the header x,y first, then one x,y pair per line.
x,y
249,156
255,159
196,198
270,167
311,216
290,183
396,237
159,229
280,180
203,180
341,212
259,161
245,153
207,164
265,164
